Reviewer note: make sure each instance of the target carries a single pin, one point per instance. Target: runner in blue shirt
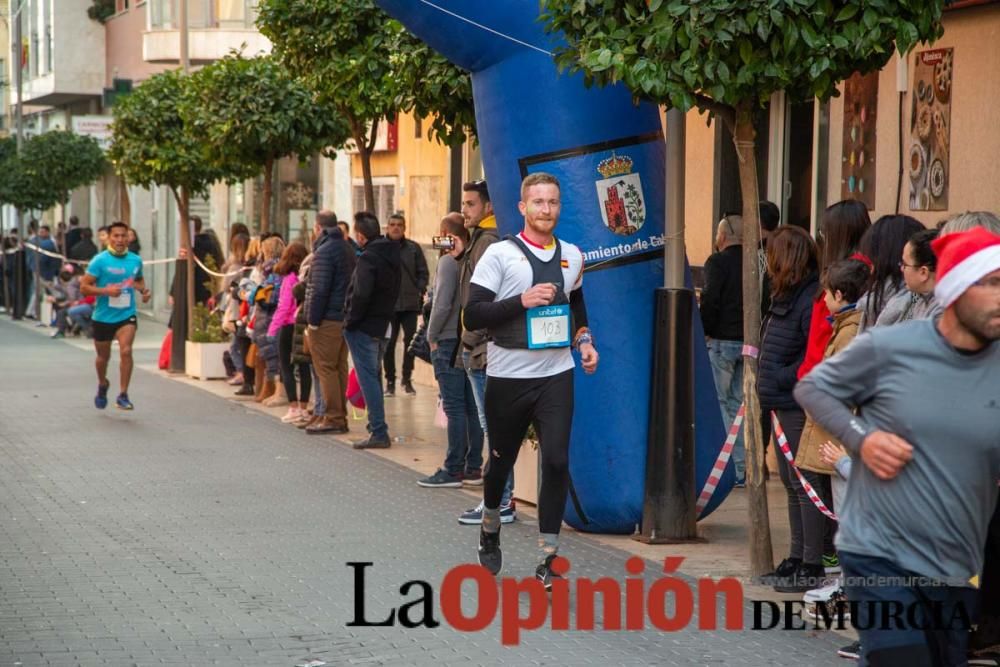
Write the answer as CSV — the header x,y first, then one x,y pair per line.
x,y
114,277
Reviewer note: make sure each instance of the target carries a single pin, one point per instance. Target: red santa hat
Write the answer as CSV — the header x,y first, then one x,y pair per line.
x,y
962,259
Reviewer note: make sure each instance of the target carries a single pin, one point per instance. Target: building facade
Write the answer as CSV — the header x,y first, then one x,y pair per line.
x,y
939,99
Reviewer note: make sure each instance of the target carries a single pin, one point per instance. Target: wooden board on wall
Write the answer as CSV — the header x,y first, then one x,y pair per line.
x,y
857,179
928,158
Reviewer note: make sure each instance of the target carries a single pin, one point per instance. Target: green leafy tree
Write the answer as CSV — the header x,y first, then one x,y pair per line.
x,y
727,57
152,145
50,167
64,161
17,186
431,86
365,66
250,112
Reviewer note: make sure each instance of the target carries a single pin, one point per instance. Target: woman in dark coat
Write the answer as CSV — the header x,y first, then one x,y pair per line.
x,y
792,269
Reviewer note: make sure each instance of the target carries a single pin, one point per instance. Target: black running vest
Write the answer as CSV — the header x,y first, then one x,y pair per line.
x,y
514,332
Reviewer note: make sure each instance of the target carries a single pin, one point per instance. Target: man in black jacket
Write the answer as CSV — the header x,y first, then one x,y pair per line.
x,y
73,234
83,249
722,317
371,305
326,293
412,285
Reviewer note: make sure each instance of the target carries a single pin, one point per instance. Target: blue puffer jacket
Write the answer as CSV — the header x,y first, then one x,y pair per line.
x,y
329,275
783,345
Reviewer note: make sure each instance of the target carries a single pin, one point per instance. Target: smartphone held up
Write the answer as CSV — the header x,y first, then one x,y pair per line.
x,y
443,242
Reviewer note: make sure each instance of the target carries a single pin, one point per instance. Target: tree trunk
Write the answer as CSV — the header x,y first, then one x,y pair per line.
x,y
761,552
265,201
366,143
125,204
187,243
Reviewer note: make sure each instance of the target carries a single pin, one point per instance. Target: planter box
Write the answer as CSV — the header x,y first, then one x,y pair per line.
x,y
527,475
204,360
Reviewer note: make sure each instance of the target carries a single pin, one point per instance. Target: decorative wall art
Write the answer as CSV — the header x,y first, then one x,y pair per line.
x,y
928,155
857,180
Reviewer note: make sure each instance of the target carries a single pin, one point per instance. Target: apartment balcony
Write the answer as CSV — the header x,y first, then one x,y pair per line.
x,y
215,27
63,54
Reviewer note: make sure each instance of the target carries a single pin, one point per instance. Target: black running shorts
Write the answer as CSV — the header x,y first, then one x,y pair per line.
x,y
105,331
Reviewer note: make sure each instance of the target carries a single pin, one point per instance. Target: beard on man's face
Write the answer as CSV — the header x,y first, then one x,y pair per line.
x,y
984,323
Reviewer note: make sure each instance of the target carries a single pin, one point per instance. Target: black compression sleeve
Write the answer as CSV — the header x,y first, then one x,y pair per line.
x,y
578,308
482,312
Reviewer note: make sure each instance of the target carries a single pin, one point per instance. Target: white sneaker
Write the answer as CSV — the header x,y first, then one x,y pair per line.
x,y
822,594
293,414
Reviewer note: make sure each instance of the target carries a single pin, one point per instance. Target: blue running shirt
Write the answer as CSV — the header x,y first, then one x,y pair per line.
x,y
111,270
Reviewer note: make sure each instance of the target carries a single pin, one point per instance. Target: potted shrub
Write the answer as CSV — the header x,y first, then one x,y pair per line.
x,y
528,470
203,352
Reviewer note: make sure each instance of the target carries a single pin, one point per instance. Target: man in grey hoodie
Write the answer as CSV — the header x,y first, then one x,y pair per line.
x,y
914,523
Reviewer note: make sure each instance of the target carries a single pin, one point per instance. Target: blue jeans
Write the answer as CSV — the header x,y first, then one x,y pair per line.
x,y
726,357
319,407
465,433
923,603
236,353
477,378
80,314
367,353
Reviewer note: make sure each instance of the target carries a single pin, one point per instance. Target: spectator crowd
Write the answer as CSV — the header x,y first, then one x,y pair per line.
x,y
817,299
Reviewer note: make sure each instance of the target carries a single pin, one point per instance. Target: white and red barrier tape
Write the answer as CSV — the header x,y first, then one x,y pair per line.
x,y
721,462
146,262
779,436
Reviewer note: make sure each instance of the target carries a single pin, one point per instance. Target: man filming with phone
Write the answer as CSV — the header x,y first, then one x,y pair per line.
x,y
527,292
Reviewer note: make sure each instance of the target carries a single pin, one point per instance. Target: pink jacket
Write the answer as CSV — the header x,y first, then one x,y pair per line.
x,y
285,312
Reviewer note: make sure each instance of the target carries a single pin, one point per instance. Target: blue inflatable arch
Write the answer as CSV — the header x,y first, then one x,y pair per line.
x,y
608,153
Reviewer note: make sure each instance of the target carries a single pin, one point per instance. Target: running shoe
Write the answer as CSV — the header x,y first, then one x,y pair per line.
x,y
835,608
987,657
472,478
101,400
805,578
123,403
442,479
474,517
786,568
490,555
544,572
851,651
823,593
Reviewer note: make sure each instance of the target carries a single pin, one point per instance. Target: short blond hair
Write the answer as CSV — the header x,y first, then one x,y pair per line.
x,y
538,178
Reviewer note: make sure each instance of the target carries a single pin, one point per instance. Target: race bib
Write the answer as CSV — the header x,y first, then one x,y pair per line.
x,y
548,326
123,300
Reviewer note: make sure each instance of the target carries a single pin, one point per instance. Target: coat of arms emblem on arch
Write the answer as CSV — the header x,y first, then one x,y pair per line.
x,y
620,194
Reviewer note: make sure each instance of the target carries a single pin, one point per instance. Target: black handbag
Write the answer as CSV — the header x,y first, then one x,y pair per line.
x,y
420,347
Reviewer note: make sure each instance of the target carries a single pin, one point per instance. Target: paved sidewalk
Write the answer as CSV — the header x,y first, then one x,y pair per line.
x,y
201,531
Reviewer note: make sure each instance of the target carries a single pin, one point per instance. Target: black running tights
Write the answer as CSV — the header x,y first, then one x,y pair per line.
x,y
513,404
